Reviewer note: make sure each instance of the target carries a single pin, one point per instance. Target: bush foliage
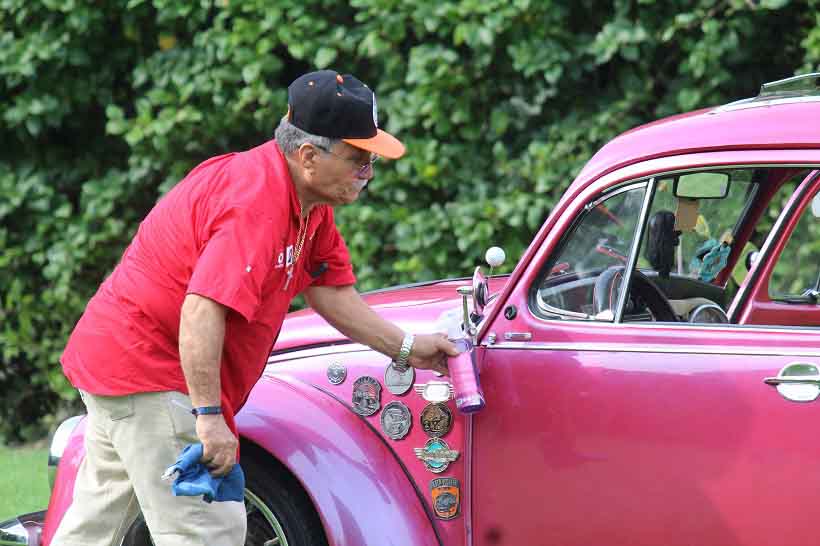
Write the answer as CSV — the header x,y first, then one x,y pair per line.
x,y
107,104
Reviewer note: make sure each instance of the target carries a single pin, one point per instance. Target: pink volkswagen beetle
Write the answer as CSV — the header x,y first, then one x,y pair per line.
x,y
651,369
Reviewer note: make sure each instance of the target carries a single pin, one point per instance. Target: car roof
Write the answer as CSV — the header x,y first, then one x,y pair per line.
x,y
768,121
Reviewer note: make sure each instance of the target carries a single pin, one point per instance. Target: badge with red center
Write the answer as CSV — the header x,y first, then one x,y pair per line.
x,y
446,495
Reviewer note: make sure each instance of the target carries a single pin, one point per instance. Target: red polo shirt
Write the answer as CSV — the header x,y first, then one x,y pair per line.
x,y
227,232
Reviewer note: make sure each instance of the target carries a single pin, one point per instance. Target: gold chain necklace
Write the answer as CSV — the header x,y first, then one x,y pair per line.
x,y
300,242
300,239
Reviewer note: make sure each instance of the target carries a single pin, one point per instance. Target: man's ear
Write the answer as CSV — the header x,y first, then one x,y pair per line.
x,y
308,156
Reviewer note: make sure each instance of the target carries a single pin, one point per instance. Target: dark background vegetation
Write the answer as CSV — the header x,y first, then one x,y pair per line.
x,y
105,105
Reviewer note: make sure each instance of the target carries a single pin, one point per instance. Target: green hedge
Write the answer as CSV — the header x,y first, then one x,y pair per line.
x,y
500,102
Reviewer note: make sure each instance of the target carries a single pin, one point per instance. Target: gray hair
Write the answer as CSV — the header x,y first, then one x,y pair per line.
x,y
289,137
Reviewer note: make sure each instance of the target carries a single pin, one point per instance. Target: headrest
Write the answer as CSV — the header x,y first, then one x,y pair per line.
x,y
661,242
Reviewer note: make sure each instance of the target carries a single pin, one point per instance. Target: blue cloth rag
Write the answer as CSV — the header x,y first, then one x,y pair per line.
x,y
193,478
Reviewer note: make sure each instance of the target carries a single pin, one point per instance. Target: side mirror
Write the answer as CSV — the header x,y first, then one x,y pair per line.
x,y
481,286
701,186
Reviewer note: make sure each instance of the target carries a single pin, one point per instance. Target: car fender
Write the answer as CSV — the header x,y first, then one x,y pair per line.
x,y
63,491
359,487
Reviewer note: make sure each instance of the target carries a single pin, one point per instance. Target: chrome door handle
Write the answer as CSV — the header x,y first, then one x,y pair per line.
x,y
809,379
797,381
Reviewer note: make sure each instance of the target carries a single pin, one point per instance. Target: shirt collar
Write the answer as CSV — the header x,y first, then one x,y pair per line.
x,y
281,163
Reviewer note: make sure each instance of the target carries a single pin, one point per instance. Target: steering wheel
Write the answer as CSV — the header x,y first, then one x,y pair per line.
x,y
643,290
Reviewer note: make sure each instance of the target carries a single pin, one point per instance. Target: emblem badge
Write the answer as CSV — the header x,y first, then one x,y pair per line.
x,y
436,420
396,420
446,495
366,396
436,455
398,382
435,391
336,373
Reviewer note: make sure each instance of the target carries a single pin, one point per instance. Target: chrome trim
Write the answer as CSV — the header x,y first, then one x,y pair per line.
x,y
23,530
700,308
467,499
12,533
813,379
665,349
627,186
561,314
517,336
744,104
59,441
632,260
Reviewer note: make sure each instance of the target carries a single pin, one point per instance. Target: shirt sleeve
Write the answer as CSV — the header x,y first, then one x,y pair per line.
x,y
330,259
235,260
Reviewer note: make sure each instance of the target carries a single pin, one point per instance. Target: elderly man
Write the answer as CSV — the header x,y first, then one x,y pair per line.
x,y
184,324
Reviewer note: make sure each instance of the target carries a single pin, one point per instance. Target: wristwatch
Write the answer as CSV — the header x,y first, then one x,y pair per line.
x,y
207,410
401,363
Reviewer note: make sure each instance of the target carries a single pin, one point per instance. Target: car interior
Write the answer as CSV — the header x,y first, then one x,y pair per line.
x,y
699,236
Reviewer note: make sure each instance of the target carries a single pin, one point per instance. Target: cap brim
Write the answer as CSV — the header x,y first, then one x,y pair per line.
x,y
383,144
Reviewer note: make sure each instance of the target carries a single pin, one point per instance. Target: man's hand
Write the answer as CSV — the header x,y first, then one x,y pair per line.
x,y
218,444
430,352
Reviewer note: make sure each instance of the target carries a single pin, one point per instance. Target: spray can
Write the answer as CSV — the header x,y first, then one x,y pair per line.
x,y
463,369
464,374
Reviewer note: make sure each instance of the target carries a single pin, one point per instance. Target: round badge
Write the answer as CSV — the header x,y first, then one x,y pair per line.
x,y
398,382
396,420
436,420
367,394
336,373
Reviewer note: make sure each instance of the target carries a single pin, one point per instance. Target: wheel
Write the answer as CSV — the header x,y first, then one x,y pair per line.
x,y
279,511
643,292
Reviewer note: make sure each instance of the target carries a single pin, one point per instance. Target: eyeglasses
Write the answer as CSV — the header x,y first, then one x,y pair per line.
x,y
363,168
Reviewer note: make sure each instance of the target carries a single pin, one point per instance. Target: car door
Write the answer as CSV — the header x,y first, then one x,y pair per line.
x,y
599,430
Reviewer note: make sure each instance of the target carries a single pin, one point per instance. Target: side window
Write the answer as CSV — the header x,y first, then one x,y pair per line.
x,y
599,244
797,271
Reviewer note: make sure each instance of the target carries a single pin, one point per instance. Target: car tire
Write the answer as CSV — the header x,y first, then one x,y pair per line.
x,y
277,507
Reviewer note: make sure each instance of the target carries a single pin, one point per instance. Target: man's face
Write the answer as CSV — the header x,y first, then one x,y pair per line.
x,y
340,174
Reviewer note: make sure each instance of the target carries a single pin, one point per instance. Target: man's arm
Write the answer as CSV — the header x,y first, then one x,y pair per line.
x,y
346,311
201,335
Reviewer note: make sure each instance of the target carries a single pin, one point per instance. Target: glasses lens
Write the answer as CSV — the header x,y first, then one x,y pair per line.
x,y
367,167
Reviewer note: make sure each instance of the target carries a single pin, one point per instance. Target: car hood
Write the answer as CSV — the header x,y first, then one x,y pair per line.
x,y
415,308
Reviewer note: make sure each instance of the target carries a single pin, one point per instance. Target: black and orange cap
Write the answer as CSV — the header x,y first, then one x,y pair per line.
x,y
329,104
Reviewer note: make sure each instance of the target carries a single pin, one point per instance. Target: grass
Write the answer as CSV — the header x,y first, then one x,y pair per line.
x,y
23,480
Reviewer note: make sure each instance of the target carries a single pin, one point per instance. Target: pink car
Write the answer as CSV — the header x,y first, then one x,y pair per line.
x,y
650,369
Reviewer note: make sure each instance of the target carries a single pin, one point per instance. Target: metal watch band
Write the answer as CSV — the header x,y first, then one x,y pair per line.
x,y
404,353
207,410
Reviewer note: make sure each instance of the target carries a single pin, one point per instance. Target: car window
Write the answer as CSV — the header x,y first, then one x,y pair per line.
x,y
600,240
797,272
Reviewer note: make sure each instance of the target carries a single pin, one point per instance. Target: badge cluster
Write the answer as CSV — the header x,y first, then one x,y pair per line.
x,y
436,420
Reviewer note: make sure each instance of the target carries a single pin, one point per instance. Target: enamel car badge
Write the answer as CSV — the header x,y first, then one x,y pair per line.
x,y
336,373
435,391
436,455
436,420
366,396
396,420
446,494
398,382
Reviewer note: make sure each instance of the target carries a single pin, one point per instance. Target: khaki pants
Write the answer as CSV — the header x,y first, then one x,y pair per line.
x,y
129,442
